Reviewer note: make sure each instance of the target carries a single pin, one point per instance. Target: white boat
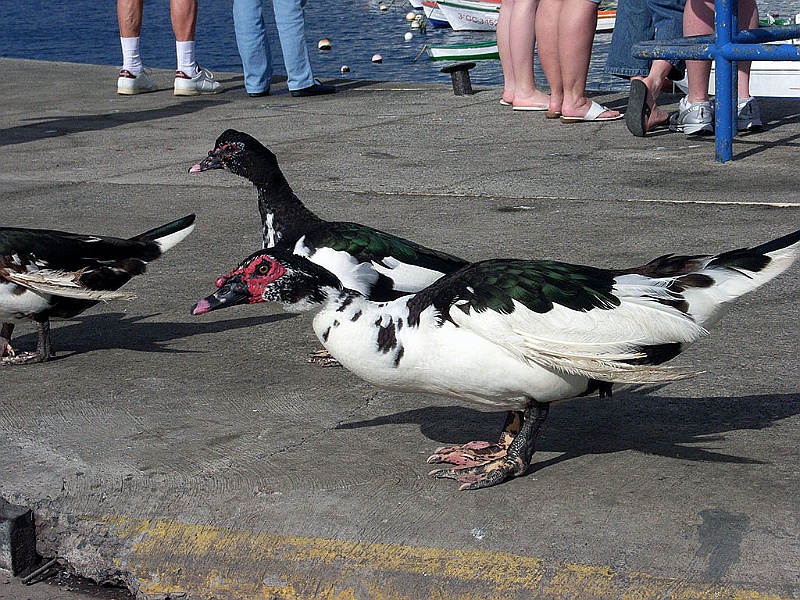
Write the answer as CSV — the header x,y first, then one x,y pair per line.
x,y
475,51
470,15
434,14
482,15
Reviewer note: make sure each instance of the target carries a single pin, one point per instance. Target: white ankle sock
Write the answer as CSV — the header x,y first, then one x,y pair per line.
x,y
186,61
131,61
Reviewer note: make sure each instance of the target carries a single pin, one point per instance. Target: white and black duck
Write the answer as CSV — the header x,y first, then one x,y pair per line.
x,y
380,265
48,274
512,334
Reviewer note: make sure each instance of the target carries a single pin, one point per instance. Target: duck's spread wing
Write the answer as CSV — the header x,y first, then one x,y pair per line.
x,y
410,266
572,318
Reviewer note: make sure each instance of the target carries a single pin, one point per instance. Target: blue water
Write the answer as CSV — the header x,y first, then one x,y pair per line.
x,y
86,31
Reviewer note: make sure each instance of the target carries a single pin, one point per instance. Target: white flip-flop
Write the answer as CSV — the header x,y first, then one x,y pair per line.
x,y
592,115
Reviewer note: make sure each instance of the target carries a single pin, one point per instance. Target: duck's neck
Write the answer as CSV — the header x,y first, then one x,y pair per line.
x,y
284,218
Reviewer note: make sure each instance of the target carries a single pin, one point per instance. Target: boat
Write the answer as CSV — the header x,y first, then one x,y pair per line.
x,y
434,14
482,15
606,19
474,51
470,15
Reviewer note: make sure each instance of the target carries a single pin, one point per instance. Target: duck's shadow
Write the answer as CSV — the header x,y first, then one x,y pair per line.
x,y
87,333
684,428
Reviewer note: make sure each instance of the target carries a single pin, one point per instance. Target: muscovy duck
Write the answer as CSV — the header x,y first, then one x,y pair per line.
x,y
46,274
380,265
512,334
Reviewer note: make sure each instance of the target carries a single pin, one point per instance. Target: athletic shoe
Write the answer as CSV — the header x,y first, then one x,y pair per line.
x,y
749,114
697,117
202,83
128,83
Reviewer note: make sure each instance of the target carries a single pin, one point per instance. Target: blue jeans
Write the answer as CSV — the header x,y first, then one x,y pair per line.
x,y
641,21
254,48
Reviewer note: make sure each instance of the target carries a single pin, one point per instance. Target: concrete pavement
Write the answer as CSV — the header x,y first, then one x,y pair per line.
x,y
202,457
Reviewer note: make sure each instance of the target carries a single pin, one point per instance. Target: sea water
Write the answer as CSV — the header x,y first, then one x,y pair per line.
x,y
86,31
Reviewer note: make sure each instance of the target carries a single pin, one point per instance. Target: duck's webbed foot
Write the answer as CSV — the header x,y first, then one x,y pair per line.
x,y
517,458
44,351
323,358
474,454
23,358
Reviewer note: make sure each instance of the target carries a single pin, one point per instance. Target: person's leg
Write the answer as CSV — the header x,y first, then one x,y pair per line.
x,y
184,19
548,15
253,44
290,20
634,24
748,19
132,77
129,17
576,29
698,19
522,42
504,49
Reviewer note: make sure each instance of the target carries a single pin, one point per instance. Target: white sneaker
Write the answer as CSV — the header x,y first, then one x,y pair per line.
x,y
202,83
697,117
749,115
128,83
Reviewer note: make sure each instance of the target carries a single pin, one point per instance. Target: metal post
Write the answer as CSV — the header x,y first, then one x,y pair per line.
x,y
724,105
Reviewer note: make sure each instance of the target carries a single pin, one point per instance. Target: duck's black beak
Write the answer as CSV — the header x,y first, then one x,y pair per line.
x,y
230,294
211,162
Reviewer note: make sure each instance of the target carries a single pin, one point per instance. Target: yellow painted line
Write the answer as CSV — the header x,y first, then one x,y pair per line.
x,y
169,558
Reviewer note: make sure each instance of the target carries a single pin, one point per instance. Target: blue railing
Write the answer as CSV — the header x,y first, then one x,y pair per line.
x,y
726,46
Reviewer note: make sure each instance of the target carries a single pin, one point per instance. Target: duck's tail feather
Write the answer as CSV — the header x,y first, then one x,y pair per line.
x,y
168,235
727,276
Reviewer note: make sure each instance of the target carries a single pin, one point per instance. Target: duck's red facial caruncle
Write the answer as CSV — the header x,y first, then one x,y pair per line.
x,y
219,158
245,285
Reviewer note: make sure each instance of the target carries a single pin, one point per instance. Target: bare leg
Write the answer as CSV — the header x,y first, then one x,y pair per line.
x,y
698,19
576,29
504,48
547,34
129,17
184,19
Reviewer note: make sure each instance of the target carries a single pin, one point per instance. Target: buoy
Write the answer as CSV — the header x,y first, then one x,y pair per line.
x,y
411,16
324,44
408,36
345,69
415,24
383,7
376,58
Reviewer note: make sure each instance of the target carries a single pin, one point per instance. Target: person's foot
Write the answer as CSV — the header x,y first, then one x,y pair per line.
x,y
316,89
693,118
200,83
642,114
539,100
130,84
258,94
749,115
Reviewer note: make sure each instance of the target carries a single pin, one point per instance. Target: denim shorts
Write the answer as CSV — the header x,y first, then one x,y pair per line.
x,y
641,21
